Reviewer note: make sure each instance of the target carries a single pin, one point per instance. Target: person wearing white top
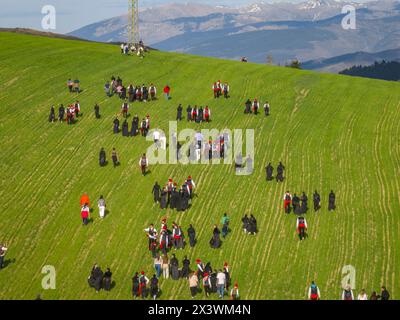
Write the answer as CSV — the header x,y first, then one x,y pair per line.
x,y
199,139
221,279
362,295
102,207
156,137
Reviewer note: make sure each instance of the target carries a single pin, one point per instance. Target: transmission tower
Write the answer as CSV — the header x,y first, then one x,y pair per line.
x,y
133,23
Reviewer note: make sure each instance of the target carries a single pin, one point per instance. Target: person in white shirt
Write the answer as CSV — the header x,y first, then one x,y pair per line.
x,y
199,139
102,207
122,48
221,279
362,295
156,137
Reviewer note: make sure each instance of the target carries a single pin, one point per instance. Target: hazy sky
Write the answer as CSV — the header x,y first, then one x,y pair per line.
x,y
73,14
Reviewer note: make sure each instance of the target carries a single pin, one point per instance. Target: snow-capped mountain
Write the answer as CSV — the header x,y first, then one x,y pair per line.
x,y
308,30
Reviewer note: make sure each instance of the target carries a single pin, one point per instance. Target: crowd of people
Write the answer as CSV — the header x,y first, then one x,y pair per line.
x,y
130,93
69,114
136,49
179,196
174,196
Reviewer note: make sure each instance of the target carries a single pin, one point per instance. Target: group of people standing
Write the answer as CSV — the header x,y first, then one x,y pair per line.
x,y
270,171
194,114
137,125
103,158
99,279
73,86
300,207
254,107
167,238
213,281
220,89
249,224
300,204
314,293
174,196
131,93
85,208
71,112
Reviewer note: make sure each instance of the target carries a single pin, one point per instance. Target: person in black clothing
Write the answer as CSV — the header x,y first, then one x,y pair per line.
x,y
280,169
252,226
174,263
269,170
247,106
332,199
163,200
304,200
296,204
154,287
208,269
102,157
96,278
213,280
185,268
52,116
246,222
156,192
97,111
107,280
192,236
189,113
384,294
215,241
125,129
135,126
179,113
135,285
317,201
61,112
116,125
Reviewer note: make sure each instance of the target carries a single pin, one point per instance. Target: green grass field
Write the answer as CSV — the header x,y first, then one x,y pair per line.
x,y
331,132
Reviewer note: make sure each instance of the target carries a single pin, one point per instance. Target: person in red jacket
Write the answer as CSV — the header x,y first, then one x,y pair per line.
x,y
167,90
84,200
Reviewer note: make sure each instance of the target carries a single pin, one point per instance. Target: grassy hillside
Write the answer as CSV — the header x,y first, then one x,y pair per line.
x,y
331,132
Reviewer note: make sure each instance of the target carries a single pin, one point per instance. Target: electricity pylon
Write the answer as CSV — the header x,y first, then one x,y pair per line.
x,y
133,23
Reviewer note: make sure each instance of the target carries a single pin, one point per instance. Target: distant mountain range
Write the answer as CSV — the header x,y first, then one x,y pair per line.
x,y
309,31
339,63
